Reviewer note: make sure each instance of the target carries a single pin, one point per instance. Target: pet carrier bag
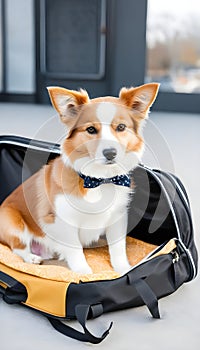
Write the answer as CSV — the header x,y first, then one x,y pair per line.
x,y
160,246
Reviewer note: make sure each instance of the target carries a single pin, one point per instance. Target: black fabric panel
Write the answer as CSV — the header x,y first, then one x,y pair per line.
x,y
148,296
17,163
150,219
11,162
159,274
15,292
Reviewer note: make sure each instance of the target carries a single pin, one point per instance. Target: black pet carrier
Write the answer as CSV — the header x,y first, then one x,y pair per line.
x,y
159,215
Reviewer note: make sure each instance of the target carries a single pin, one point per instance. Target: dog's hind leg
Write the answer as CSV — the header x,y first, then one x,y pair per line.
x,y
15,234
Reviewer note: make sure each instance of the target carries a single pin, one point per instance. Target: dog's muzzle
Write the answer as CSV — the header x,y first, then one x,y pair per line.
x,y
110,154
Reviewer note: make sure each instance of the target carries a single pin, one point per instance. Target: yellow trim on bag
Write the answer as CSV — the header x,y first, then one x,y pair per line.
x,y
45,295
3,285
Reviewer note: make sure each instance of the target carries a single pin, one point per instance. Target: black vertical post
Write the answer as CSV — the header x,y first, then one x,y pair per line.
x,y
127,61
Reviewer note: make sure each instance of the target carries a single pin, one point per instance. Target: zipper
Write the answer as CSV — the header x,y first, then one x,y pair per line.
x,y
187,208
152,172
30,144
175,256
181,195
184,201
173,253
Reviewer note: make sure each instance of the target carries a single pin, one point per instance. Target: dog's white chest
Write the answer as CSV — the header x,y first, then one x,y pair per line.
x,y
91,214
97,206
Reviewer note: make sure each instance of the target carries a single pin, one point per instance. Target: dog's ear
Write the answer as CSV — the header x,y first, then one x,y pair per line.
x,y
67,102
140,98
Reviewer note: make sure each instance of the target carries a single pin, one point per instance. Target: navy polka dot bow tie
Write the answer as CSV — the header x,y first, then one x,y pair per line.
x,y
92,182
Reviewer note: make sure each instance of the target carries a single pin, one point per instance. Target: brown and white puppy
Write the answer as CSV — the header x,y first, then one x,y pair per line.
x,y
62,208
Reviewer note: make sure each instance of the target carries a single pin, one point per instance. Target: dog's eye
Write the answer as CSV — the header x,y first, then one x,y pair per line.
x,y
121,127
91,130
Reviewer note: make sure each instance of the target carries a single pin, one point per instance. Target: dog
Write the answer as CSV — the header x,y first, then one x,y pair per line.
x,y
84,193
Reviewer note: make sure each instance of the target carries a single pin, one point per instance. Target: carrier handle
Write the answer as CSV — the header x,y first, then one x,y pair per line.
x,y
82,312
147,295
15,291
6,279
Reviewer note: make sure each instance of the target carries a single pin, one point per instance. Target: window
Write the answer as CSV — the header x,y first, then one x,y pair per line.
x,y
17,66
72,41
173,52
1,47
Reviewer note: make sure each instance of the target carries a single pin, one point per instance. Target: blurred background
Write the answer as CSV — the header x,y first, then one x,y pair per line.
x,y
101,45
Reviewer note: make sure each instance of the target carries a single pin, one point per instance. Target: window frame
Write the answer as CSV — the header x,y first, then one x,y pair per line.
x,y
177,102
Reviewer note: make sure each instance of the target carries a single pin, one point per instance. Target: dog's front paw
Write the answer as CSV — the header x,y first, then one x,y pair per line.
x,y
34,259
122,269
80,266
83,269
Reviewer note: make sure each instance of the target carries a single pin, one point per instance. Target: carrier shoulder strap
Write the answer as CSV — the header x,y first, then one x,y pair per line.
x,y
82,313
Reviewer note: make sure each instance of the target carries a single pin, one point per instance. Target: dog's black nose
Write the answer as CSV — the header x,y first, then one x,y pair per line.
x,y
110,153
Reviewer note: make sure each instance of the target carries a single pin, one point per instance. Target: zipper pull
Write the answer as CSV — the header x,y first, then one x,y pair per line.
x,y
175,256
